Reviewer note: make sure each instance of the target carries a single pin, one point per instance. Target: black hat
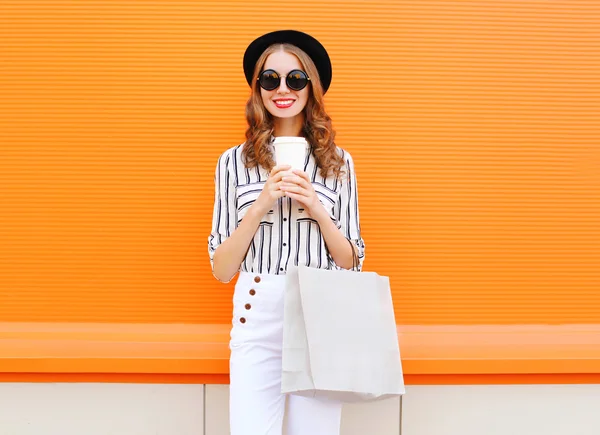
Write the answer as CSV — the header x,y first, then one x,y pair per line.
x,y
303,41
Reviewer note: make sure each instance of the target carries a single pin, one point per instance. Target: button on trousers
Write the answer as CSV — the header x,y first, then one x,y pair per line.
x,y
256,404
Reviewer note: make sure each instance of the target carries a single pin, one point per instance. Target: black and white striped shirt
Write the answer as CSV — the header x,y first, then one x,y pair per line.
x,y
286,234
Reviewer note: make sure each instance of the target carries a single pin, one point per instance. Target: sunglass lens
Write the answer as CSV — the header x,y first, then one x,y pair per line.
x,y
297,80
269,80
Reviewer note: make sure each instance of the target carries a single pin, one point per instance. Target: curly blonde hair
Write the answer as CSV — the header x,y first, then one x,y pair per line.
x,y
317,128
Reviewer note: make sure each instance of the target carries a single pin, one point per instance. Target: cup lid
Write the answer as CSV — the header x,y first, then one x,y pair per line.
x,y
289,139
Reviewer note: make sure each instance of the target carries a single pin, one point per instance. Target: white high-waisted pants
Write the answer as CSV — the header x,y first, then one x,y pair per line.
x,y
256,405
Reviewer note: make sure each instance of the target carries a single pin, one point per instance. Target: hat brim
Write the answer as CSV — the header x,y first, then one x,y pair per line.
x,y
313,48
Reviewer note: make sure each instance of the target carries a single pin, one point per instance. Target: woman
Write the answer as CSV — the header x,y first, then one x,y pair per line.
x,y
266,218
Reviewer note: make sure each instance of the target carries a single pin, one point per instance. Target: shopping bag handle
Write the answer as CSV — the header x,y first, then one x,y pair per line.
x,y
355,261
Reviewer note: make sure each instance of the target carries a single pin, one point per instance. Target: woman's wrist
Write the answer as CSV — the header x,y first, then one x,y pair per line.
x,y
256,212
320,214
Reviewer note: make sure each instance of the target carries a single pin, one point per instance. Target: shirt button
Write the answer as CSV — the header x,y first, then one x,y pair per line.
x,y
257,279
281,268
242,320
285,219
248,306
252,292
285,244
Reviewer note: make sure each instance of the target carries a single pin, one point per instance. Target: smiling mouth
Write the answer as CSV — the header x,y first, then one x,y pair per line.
x,y
283,104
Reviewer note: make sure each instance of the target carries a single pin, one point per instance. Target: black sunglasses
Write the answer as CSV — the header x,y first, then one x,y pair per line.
x,y
295,80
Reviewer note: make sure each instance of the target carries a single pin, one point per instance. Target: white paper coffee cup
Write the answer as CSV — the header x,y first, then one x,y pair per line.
x,y
290,150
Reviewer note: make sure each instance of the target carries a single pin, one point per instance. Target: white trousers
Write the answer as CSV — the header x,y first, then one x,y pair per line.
x,y
256,404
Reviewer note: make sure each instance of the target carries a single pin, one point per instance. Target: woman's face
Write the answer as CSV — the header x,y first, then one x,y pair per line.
x,y
284,102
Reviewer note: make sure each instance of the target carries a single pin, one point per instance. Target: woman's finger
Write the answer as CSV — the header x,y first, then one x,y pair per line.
x,y
298,181
301,174
276,179
300,198
295,189
279,175
277,169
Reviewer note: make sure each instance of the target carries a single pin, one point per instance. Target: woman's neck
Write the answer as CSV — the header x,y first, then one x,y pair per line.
x,y
288,126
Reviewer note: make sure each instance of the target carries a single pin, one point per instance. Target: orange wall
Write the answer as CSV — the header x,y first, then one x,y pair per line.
x,y
473,126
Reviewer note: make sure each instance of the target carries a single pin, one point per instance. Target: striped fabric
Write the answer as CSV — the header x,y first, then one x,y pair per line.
x,y
287,234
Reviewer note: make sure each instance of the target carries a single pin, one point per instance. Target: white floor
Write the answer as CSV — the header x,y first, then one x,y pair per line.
x,y
138,409
501,410
101,409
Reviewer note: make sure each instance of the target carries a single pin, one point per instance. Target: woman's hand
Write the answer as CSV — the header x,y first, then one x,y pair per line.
x,y
271,190
299,187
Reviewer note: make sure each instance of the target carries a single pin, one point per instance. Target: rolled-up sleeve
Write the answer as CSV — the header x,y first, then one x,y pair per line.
x,y
224,212
347,213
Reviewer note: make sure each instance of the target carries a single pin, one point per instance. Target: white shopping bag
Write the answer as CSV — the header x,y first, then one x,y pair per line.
x,y
339,337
